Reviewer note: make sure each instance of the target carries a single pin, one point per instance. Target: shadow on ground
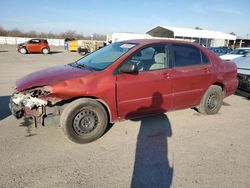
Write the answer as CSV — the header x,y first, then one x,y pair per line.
x,y
4,107
55,52
3,51
151,166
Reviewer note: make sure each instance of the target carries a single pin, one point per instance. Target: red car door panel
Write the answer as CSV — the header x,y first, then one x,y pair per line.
x,y
146,92
192,76
149,90
189,85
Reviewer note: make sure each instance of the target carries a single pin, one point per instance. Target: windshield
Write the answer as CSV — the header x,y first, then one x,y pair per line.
x,y
239,51
104,57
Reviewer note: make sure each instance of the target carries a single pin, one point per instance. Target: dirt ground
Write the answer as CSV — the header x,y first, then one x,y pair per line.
x,y
180,148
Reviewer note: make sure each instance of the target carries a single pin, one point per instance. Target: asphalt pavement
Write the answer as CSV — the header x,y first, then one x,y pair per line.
x,y
178,149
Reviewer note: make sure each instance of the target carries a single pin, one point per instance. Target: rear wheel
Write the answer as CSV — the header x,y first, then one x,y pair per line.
x,y
211,101
45,50
84,120
23,50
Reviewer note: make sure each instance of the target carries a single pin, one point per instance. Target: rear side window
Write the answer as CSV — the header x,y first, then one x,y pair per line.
x,y
45,41
204,58
186,55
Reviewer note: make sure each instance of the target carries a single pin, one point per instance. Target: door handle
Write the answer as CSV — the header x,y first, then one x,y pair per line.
x,y
206,70
166,75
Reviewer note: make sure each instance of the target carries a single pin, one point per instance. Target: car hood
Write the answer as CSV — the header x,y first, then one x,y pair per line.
x,y
21,44
230,56
49,76
243,65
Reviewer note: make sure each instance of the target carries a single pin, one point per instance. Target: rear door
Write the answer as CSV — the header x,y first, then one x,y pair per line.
x,y
192,75
150,90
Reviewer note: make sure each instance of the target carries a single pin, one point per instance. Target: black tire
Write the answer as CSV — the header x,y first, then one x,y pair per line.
x,y
84,120
211,101
45,51
83,51
23,50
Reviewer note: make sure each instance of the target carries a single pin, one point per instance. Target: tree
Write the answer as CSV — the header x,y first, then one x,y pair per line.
x,y
198,28
15,33
3,32
232,33
34,34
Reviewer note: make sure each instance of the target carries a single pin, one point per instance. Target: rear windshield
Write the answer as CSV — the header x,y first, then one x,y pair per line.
x,y
104,57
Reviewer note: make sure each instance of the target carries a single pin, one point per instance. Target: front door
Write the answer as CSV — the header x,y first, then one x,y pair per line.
x,y
34,45
150,89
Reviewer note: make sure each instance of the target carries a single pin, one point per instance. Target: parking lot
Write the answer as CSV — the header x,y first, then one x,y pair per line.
x,y
180,148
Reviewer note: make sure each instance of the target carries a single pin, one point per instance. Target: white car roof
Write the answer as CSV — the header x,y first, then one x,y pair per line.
x,y
243,48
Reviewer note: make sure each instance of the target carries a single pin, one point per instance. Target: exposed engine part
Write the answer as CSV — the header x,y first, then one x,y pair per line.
x,y
26,100
38,91
33,103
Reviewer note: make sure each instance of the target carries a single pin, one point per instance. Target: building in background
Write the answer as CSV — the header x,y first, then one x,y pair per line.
x,y
242,42
204,37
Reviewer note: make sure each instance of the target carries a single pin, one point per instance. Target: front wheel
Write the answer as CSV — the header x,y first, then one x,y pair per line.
x,y
211,101
84,120
23,50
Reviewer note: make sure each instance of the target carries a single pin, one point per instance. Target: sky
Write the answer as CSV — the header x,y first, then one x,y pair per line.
x,y
139,16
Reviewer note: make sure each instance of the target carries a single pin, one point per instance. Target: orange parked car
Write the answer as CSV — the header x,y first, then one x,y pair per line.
x,y
34,46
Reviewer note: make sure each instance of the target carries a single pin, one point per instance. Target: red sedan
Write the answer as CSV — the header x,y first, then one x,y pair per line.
x,y
126,80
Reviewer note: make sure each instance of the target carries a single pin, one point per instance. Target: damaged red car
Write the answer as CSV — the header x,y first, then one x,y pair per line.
x,y
125,80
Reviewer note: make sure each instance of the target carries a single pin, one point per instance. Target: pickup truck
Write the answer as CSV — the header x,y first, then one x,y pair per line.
x,y
125,80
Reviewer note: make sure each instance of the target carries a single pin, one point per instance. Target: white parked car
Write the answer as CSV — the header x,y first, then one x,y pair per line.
x,y
243,65
238,52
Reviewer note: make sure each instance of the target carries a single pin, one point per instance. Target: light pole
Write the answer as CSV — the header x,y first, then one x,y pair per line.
x,y
92,43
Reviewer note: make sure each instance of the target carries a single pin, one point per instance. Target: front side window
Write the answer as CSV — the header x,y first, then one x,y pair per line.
x,y
186,55
205,59
104,57
150,58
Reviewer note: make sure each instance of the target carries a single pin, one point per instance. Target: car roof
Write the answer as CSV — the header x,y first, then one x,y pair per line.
x,y
38,39
153,41
243,48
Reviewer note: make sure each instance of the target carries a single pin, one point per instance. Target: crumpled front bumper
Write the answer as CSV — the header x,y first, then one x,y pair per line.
x,y
16,110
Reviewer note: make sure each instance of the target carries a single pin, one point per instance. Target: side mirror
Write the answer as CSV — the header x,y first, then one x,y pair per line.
x,y
128,68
